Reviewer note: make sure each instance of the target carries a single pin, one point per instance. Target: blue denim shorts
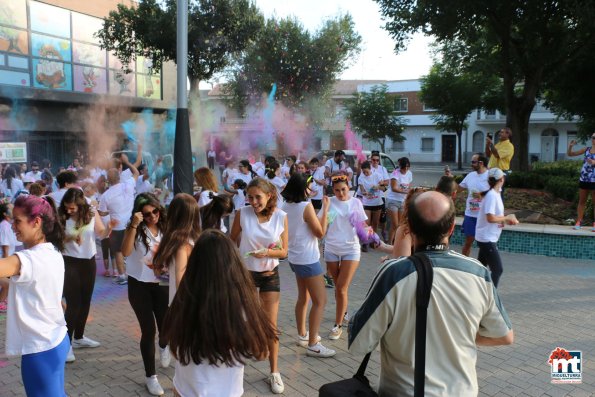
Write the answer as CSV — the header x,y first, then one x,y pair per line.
x,y
468,227
330,257
305,271
394,205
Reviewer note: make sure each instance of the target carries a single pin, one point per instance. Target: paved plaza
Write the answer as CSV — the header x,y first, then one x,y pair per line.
x,y
551,303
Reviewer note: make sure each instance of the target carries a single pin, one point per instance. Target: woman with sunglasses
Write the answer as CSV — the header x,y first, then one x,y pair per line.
x,y
342,247
148,299
586,182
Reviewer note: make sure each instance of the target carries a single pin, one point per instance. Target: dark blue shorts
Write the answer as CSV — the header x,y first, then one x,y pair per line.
x,y
468,227
305,271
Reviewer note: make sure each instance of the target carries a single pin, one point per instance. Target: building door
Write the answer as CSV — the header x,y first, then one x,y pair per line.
x,y
449,148
549,145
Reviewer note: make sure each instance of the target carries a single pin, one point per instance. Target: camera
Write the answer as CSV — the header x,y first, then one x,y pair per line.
x,y
489,135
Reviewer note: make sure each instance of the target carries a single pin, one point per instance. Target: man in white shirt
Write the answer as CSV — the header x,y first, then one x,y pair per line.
x,y
35,173
143,184
118,202
66,180
475,182
464,312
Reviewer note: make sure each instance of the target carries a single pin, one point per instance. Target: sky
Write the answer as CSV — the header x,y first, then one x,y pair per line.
x,y
377,59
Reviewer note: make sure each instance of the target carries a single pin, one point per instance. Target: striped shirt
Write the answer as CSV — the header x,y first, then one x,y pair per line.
x,y
463,303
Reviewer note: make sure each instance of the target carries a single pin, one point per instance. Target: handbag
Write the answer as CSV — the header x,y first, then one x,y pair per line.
x,y
359,385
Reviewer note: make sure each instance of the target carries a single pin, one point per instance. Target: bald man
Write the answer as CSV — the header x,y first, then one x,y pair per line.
x,y
464,311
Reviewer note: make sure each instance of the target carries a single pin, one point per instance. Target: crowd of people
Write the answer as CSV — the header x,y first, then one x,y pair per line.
x,y
213,258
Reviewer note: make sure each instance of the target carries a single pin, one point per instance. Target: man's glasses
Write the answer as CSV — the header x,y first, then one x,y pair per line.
x,y
148,214
592,136
474,161
376,160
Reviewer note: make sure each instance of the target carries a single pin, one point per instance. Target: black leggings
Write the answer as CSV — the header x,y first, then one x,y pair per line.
x,y
490,257
79,281
105,252
149,302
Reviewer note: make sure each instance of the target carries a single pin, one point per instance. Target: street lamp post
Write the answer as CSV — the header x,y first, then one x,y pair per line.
x,y
182,176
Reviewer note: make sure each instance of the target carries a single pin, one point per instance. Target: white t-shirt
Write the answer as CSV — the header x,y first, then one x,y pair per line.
x,y
258,167
35,320
245,177
256,236
143,186
303,245
87,249
372,197
486,232
211,153
118,200
15,185
227,175
319,189
381,171
334,167
285,173
36,175
279,184
341,237
140,262
203,197
239,200
403,183
474,183
206,380
7,237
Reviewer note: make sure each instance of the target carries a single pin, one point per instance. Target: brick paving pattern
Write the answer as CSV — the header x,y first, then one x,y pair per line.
x,y
551,302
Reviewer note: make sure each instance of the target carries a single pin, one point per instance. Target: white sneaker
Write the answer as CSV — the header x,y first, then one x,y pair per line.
x,y
70,356
165,356
153,386
304,340
276,383
346,318
84,342
335,332
318,350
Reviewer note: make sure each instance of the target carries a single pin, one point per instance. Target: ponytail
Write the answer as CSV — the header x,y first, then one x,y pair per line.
x,y
271,171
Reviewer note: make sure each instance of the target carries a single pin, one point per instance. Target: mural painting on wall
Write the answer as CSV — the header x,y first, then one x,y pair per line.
x,y
122,83
13,13
91,77
49,19
84,27
51,71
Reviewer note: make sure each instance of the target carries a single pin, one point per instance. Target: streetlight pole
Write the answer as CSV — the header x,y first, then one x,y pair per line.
x,y
182,177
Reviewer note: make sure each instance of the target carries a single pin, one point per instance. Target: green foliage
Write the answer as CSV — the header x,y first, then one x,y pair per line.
x,y
217,30
524,43
302,64
371,113
559,178
566,168
562,187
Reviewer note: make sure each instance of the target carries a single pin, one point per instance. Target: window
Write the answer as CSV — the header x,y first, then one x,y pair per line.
x,y
398,146
478,142
490,114
401,105
222,119
427,144
429,109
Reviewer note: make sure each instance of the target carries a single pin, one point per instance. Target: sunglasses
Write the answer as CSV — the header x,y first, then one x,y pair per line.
x,y
339,178
376,160
592,136
474,161
148,214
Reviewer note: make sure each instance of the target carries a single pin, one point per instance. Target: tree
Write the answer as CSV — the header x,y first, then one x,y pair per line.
x,y
522,42
372,115
571,92
303,65
454,94
217,31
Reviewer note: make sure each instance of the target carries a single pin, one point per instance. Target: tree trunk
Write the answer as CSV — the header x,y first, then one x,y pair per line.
x,y
382,145
460,156
517,118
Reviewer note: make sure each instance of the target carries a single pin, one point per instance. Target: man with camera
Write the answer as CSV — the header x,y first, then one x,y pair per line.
x,y
501,153
464,310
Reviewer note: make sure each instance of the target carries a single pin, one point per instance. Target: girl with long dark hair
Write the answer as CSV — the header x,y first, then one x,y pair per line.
x,y
216,290
35,326
182,230
147,298
81,225
304,260
212,214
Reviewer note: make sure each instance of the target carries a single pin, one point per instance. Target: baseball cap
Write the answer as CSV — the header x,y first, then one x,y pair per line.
x,y
495,173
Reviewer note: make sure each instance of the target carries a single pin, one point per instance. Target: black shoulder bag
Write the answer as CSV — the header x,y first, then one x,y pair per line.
x,y
359,385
